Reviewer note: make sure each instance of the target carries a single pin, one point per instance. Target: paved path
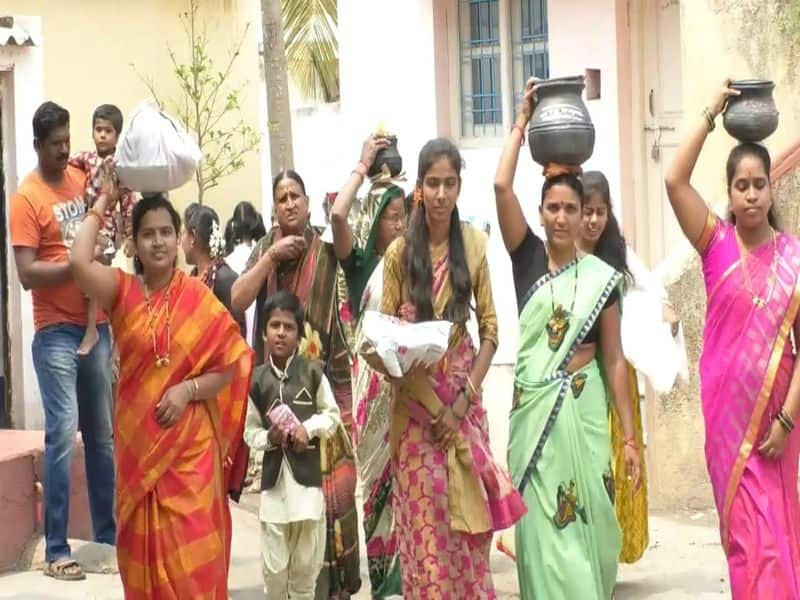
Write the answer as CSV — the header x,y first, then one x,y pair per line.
x,y
684,562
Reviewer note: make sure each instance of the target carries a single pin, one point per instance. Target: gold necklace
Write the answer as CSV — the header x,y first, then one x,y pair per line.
x,y
162,360
757,300
558,323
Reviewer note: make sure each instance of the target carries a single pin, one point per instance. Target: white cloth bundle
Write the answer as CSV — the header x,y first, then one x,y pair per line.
x,y
400,345
648,343
155,154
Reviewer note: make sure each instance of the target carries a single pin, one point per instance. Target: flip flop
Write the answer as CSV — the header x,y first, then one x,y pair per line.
x,y
65,569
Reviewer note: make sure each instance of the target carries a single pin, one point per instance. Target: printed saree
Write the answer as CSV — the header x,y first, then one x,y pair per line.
x,y
559,451
446,504
372,394
173,518
372,397
745,370
631,508
312,278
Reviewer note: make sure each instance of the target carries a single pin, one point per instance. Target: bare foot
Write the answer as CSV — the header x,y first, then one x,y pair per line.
x,y
90,339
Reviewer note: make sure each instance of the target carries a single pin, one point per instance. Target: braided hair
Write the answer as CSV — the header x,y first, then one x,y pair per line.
x,y
204,224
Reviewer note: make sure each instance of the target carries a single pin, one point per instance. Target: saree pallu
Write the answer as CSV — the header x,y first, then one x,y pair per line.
x,y
745,370
372,395
340,575
559,450
439,561
631,508
173,518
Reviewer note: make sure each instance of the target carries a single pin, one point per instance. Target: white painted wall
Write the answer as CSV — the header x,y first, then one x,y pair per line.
x,y
25,67
387,74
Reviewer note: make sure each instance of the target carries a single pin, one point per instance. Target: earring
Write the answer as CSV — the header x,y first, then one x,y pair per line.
x,y
417,195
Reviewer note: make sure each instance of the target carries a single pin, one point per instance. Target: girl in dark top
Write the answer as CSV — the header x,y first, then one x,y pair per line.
x,y
559,450
204,247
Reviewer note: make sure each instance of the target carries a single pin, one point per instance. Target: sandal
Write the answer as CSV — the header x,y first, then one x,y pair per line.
x,y
64,569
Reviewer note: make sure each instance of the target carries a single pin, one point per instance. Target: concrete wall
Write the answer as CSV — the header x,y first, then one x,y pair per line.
x,y
84,59
90,48
22,85
714,47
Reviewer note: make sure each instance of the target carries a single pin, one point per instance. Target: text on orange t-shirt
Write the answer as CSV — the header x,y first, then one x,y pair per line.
x,y
47,218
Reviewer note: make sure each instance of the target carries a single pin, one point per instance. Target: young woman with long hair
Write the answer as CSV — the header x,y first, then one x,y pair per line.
x,y
449,495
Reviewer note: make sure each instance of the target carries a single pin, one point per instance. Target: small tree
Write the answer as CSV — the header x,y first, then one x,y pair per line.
x,y
208,106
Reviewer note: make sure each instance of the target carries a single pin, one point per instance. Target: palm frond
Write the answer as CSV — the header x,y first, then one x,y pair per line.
x,y
312,50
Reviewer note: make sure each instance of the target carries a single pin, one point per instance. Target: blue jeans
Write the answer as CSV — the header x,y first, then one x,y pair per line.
x,y
76,391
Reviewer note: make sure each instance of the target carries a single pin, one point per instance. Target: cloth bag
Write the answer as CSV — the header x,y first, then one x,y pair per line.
x,y
155,154
400,345
648,343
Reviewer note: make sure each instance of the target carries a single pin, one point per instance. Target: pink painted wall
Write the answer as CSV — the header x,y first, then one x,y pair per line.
x,y
21,465
583,35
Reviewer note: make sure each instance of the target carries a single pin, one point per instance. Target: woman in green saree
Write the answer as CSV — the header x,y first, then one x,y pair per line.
x,y
559,451
360,252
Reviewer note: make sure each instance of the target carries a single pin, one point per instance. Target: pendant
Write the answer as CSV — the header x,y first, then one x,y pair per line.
x,y
162,362
758,302
557,326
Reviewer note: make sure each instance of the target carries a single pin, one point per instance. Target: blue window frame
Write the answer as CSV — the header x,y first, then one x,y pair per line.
x,y
481,99
530,43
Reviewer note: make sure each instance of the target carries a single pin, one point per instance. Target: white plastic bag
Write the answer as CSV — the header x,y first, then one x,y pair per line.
x,y
155,154
400,344
648,343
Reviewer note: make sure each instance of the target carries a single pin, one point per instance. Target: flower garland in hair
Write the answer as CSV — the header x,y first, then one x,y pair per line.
x,y
216,249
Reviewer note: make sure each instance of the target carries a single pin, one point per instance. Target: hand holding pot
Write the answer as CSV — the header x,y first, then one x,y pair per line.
x,y
529,100
720,99
369,150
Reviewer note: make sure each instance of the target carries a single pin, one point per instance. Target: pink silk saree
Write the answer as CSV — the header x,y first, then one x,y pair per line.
x,y
745,370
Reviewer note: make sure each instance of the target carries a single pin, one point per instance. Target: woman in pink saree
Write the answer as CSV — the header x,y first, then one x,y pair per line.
x,y
750,386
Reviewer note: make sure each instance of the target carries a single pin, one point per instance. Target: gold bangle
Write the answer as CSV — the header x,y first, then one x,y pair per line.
x,y
472,386
709,119
785,420
196,389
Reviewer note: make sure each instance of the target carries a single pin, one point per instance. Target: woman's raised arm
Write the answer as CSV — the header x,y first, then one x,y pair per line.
x,y
512,222
342,235
688,205
94,279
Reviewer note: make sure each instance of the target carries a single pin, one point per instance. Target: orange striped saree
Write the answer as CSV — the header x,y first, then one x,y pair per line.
x,y
173,519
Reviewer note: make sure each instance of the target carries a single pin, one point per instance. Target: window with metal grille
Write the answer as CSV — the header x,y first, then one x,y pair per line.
x,y
481,99
529,42
524,39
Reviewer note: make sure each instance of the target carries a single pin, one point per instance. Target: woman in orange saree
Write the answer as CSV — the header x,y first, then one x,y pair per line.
x,y
179,414
749,373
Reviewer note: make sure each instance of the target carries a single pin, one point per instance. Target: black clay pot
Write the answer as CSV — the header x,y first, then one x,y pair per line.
x,y
752,116
388,156
561,130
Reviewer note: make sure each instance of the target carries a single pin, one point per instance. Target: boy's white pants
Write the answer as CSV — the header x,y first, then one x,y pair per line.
x,y
292,555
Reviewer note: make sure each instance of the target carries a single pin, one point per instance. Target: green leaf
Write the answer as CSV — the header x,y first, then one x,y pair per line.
x,y
312,50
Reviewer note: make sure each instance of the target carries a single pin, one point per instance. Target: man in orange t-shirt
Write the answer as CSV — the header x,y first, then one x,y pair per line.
x,y
46,212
